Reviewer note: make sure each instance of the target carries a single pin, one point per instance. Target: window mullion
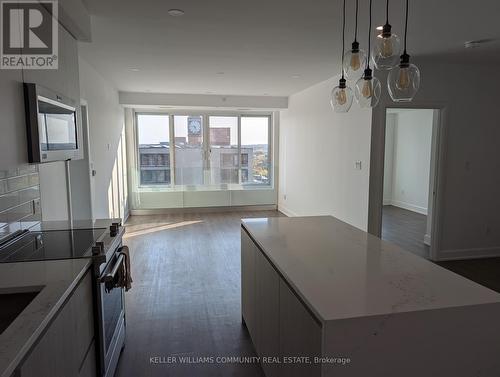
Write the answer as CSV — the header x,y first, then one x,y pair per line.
x,y
172,149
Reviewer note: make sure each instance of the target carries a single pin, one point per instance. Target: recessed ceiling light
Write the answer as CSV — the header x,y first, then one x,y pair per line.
x,y
175,12
476,43
296,77
135,69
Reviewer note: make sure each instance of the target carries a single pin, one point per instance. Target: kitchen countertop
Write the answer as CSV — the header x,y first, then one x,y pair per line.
x,y
56,279
342,272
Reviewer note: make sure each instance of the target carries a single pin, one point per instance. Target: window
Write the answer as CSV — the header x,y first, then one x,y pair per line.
x,y
205,149
189,164
154,149
255,145
224,162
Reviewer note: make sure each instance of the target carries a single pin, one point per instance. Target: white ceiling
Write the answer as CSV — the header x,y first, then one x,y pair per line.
x,y
257,47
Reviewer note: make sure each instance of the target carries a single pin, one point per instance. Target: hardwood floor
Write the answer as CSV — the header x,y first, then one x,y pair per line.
x,y
405,228
185,299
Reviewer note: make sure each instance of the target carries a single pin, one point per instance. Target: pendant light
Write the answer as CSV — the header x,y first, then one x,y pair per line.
x,y
368,88
354,59
403,80
387,45
341,96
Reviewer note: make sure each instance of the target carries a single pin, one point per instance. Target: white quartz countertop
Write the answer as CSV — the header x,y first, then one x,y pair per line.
x,y
55,280
342,272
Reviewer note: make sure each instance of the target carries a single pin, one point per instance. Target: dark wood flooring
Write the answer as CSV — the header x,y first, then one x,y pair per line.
x,y
185,299
405,228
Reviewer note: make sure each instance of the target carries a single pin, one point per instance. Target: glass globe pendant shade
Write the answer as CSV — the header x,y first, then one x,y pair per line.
x,y
367,90
341,97
354,62
386,49
403,80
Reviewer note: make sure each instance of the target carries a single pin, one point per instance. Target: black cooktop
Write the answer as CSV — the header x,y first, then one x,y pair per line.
x,y
50,245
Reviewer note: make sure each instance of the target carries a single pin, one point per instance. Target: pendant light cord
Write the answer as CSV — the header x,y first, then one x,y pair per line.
x,y
369,37
406,24
387,12
343,39
356,23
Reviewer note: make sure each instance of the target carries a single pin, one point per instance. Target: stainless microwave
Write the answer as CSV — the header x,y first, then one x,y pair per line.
x,y
53,130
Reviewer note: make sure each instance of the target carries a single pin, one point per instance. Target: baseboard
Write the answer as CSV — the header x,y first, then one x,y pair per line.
x,y
473,253
427,239
286,211
167,211
407,206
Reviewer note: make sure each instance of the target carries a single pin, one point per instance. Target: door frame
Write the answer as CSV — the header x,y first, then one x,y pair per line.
x,y
84,110
377,159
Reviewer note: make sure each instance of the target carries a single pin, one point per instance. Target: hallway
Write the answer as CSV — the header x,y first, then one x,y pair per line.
x,y
406,229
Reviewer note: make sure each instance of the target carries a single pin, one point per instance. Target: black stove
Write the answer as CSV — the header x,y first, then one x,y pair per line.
x,y
51,245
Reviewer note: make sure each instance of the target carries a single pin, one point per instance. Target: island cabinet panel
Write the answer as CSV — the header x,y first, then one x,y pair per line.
x,y
267,341
300,337
66,346
282,330
248,284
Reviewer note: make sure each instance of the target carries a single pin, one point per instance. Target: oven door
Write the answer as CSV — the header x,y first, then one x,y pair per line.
x,y
111,313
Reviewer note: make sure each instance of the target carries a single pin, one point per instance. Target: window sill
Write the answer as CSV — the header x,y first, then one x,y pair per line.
x,y
199,188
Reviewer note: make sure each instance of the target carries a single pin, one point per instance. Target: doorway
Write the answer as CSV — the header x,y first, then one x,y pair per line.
x,y
410,166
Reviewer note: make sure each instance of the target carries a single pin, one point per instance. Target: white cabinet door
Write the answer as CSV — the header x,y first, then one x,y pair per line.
x,y
300,335
268,305
63,348
248,283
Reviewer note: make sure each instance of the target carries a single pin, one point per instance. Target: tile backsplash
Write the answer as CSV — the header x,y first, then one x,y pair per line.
x,y
19,199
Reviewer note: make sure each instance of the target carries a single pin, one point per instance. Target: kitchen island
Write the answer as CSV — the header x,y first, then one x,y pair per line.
x,y
322,298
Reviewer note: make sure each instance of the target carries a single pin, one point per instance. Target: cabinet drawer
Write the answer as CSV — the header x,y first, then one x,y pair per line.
x,y
300,335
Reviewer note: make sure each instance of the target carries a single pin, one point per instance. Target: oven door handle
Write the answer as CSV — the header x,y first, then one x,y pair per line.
x,y
110,276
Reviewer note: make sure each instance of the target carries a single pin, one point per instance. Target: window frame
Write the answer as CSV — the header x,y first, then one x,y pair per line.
x,y
171,113
138,156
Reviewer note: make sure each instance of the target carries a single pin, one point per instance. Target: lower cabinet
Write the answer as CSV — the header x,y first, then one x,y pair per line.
x,y
300,336
267,304
281,328
67,347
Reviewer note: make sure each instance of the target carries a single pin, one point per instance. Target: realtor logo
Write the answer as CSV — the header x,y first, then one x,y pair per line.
x,y
29,34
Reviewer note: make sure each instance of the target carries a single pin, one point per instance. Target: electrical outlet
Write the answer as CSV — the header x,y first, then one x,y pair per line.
x,y
358,165
284,196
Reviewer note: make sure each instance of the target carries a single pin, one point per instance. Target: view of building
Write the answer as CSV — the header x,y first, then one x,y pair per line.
x,y
222,167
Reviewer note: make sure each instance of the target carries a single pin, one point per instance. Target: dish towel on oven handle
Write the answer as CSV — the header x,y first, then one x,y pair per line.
x,y
124,273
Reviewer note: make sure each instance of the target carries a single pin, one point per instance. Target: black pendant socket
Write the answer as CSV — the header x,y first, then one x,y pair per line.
x,y
386,30
405,61
342,83
368,74
355,46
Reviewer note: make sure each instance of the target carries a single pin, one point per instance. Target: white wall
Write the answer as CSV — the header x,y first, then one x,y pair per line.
x,y
389,158
408,159
13,149
469,206
319,149
107,144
